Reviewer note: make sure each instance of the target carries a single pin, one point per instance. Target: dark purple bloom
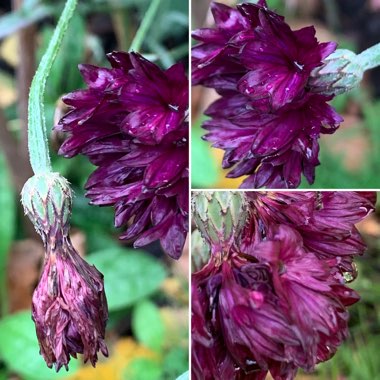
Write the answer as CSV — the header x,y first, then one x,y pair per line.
x,y
276,300
267,121
210,58
280,61
273,149
326,220
306,285
157,100
69,307
132,123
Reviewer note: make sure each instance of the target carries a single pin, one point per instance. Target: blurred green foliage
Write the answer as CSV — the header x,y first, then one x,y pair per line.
x,y
148,326
143,369
19,349
204,171
333,173
7,227
128,275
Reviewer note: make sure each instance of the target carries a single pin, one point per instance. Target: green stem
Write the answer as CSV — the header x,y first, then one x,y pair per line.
x,y
145,25
370,58
37,135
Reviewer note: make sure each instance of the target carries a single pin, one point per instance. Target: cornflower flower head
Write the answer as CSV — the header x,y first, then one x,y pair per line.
x,y
275,299
131,122
272,107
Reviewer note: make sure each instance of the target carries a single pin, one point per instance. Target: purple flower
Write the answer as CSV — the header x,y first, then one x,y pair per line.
x,y
273,149
157,100
277,301
132,124
69,307
306,286
267,120
280,61
210,58
326,220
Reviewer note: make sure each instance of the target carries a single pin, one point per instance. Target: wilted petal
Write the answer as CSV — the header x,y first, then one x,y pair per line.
x,y
69,308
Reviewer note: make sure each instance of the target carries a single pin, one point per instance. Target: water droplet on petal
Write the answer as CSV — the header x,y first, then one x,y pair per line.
x,y
348,277
250,362
299,66
173,107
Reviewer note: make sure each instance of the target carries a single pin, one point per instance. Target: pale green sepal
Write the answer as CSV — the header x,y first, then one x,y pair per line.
x,y
47,201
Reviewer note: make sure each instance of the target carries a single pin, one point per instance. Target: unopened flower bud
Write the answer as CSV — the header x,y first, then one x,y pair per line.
x,y
219,216
340,73
47,201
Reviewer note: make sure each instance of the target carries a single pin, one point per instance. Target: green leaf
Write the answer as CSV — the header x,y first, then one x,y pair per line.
x,y
20,351
143,369
204,171
340,102
7,224
97,239
171,20
89,217
175,362
7,207
129,275
12,22
184,376
148,326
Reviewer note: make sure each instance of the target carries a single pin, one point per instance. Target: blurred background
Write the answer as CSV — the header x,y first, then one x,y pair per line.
x,y
351,157
147,293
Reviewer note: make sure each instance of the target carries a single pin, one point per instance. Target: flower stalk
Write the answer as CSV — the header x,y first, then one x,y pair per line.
x,y
370,58
37,135
145,25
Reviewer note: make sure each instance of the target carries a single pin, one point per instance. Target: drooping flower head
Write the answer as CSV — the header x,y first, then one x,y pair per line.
x,y
276,301
267,120
69,306
131,123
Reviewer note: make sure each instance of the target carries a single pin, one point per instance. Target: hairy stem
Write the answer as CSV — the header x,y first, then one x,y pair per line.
x,y
37,135
370,58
